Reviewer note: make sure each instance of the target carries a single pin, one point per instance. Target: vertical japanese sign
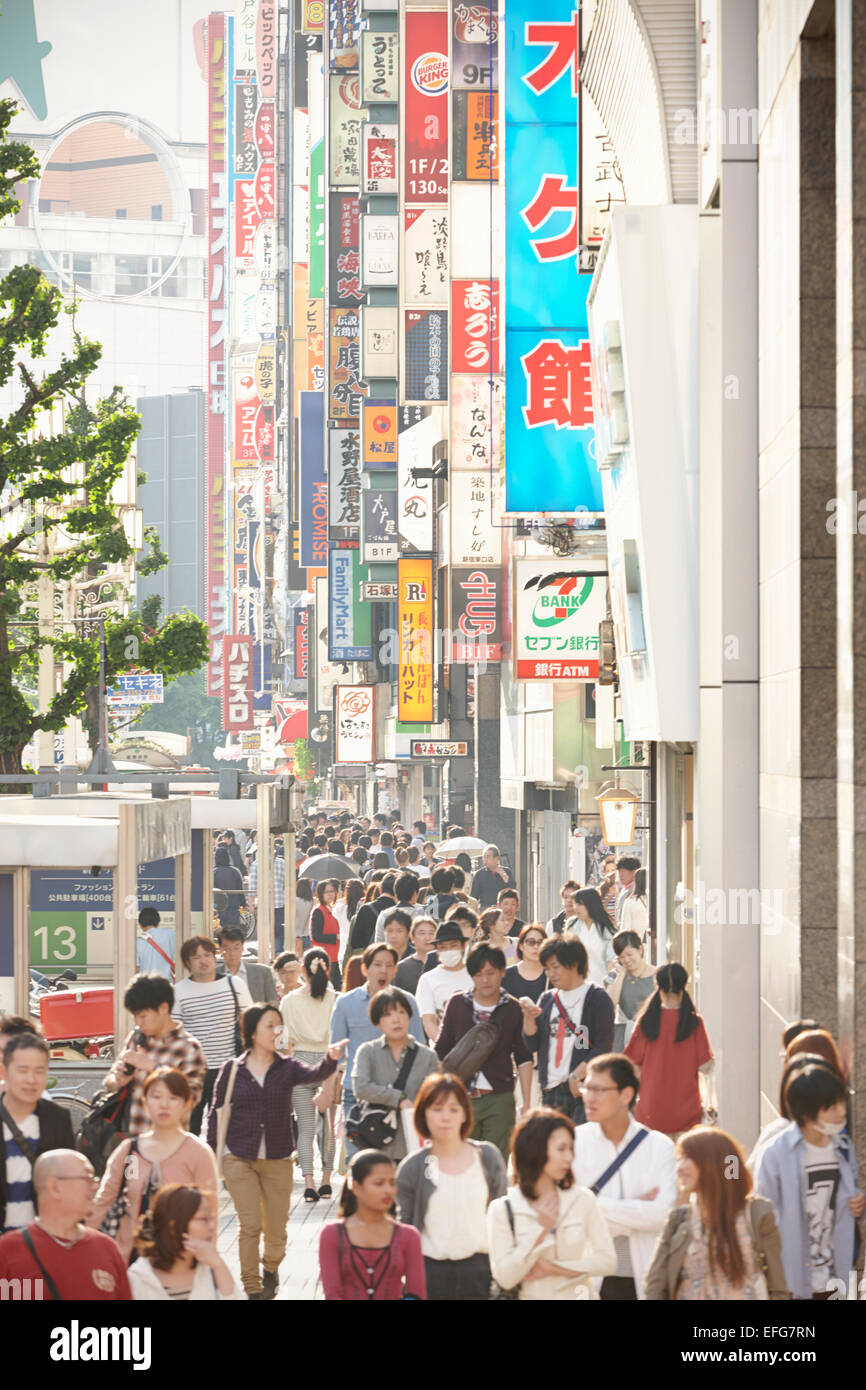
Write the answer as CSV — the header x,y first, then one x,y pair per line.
x,y
425,107
416,439
379,426
217,377
300,624
344,250
355,723
313,492
416,670
347,390
550,463
349,618
238,692
475,326
344,487
379,537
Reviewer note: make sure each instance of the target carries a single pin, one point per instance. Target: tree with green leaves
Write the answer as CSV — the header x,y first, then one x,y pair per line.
x,y
58,517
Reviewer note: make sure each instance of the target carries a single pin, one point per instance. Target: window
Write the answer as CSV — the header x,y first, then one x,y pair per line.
x,y
120,213
156,212
82,271
131,274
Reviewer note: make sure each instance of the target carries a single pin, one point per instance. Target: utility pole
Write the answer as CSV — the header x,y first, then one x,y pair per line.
x,y
101,760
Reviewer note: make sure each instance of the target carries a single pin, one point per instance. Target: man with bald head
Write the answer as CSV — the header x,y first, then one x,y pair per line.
x,y
56,1256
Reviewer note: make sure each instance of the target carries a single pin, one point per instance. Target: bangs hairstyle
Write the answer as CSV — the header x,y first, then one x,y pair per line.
x,y
372,951
21,1042
812,1089
793,1068
524,932
173,1079
385,1001
161,1231
190,947
529,1147
721,1197
252,1017
435,1088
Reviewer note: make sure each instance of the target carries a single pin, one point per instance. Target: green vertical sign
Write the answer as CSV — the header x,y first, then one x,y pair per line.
x,y
317,223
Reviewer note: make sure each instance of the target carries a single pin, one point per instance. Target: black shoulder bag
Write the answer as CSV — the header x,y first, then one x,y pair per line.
x,y
53,1291
371,1125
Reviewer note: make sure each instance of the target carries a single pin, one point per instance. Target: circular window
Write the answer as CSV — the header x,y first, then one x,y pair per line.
x,y
112,210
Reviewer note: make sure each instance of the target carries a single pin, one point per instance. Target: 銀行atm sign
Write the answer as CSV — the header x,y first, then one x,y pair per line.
x,y
549,438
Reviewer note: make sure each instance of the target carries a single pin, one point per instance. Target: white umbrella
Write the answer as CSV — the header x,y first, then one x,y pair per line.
x,y
465,844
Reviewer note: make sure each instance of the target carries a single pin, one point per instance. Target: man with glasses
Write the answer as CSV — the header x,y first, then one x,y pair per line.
x,y
571,1023
630,1168
56,1257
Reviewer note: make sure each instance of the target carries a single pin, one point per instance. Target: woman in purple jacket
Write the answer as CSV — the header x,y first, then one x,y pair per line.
x,y
260,1140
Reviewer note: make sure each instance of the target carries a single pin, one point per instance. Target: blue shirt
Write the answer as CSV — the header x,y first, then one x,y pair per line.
x,y
146,958
351,1019
780,1174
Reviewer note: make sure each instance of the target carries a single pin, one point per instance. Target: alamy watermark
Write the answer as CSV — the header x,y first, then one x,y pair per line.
x,y
731,907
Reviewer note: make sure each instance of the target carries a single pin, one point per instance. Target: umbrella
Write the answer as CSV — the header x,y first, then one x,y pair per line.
x,y
327,866
465,844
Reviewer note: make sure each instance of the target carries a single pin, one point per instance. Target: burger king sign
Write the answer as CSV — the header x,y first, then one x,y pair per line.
x,y
425,115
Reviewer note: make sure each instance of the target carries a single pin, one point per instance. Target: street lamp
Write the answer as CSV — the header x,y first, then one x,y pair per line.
x,y
618,810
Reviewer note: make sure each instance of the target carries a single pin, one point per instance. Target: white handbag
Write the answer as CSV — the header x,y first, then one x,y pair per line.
x,y
224,1114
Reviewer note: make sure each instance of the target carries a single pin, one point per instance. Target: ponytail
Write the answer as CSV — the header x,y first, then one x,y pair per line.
x,y
317,970
360,1167
672,979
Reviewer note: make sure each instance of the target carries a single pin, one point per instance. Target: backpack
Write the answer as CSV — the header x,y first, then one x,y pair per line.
x,y
100,1132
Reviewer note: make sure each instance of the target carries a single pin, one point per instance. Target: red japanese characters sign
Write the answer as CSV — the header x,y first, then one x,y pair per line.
x,y
475,326
425,107
558,385
255,203
253,423
237,683
217,302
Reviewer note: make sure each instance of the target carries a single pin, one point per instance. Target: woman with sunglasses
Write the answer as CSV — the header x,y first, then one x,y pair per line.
x,y
527,977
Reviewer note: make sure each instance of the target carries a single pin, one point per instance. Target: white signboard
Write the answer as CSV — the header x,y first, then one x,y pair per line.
x,y
476,519
425,257
355,719
415,498
379,355
558,606
379,249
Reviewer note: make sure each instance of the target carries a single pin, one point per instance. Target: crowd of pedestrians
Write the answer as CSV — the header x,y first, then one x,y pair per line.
x,y
513,1109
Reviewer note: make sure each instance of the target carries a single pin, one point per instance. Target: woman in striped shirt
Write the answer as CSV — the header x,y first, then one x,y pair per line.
x,y
210,1009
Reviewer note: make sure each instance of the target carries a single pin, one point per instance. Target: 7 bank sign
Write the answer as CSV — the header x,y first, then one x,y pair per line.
x,y
558,607
549,441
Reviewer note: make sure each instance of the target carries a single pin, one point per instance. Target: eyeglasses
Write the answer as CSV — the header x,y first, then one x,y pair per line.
x,y
78,1177
596,1090
533,941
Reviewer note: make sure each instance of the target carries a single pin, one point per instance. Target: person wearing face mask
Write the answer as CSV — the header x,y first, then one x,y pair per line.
x,y
435,987
720,1242
810,1174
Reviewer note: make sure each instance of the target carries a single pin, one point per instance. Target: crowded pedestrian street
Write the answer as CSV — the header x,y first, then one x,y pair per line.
x,y
431,766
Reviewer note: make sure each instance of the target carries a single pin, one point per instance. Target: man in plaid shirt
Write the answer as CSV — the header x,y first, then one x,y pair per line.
x,y
156,1041
279,893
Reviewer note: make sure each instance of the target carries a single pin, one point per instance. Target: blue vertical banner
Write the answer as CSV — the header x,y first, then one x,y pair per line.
x,y
549,438
313,491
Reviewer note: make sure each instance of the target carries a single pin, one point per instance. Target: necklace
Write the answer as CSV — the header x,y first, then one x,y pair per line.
x,y
374,1272
64,1244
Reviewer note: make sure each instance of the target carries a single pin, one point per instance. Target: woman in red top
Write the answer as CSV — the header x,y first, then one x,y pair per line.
x,y
671,1047
324,927
367,1255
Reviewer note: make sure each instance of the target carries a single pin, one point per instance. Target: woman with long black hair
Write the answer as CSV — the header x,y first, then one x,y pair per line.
x,y
307,1017
325,926
366,1255
593,927
671,1047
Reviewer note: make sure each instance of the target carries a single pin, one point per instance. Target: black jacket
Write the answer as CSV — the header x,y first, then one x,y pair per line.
x,y
55,1132
364,925
597,1017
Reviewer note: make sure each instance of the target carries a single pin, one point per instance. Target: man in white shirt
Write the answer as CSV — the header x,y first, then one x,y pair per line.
x,y
210,1009
636,1199
450,976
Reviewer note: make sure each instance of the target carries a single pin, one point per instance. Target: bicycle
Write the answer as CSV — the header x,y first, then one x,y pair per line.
x,y
78,1106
